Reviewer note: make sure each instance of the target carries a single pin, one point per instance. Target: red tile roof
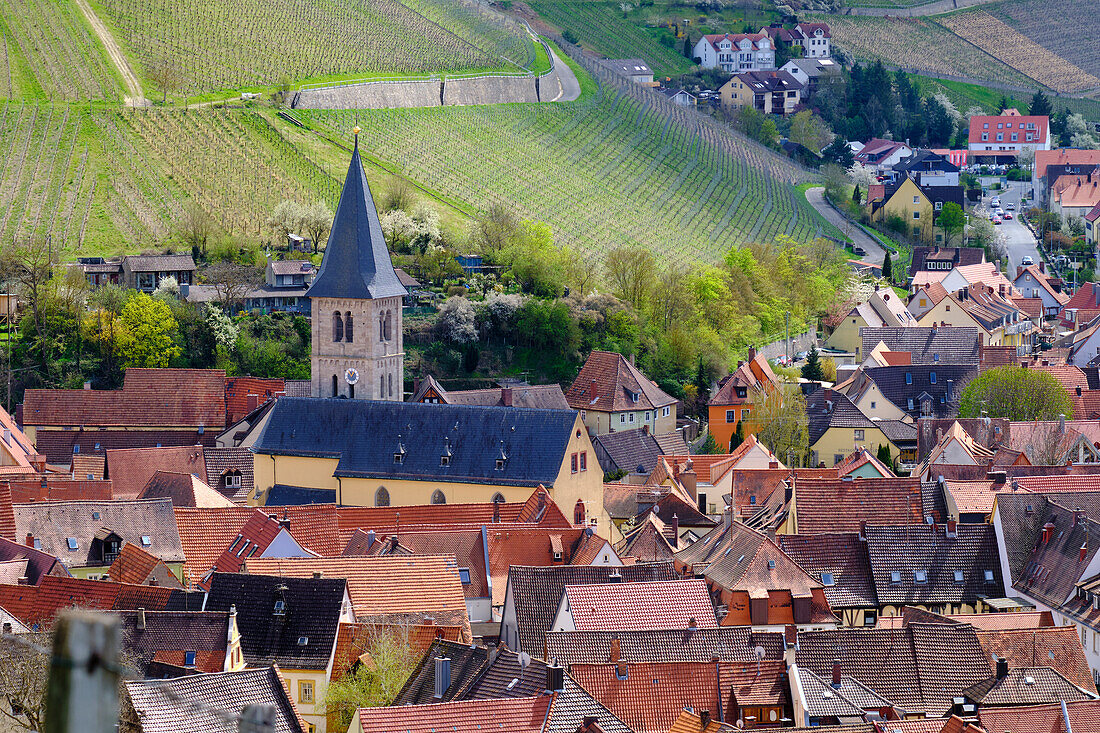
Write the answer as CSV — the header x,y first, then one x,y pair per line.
x,y
60,489
40,604
653,695
253,538
619,386
133,565
838,505
1058,647
755,683
506,715
238,390
978,125
1084,715
658,605
1064,156
354,640
149,397
535,547
7,514
131,468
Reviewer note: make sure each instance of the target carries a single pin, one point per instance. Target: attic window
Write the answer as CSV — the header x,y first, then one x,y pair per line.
x,y
895,577
95,515
146,540
303,640
464,575
921,576
500,464
399,458
752,500
908,377
71,541
771,564
989,576
828,579
189,659
37,544
444,460
280,608
932,377
958,576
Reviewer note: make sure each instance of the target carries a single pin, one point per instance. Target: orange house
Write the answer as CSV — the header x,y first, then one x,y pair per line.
x,y
733,400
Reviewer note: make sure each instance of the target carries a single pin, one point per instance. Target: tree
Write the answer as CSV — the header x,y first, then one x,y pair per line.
x,y
738,436
231,281
317,219
809,131
375,682
196,226
778,419
1002,104
147,331
105,307
286,218
1040,105
630,270
1015,393
687,46
884,454
811,370
494,231
836,178
839,153
166,75
29,264
887,267
951,220
456,321
23,675
399,195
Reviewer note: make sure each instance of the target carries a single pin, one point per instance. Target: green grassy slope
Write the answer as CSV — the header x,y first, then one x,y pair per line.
x,y
1064,27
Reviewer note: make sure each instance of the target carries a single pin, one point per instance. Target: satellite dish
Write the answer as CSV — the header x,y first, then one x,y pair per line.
x,y
524,660
759,652
351,376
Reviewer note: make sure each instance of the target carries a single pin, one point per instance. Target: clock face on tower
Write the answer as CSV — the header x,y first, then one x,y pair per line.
x,y
351,376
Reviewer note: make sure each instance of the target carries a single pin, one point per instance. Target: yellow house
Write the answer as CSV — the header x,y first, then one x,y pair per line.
x,y
771,92
837,427
612,394
998,320
918,207
870,400
882,308
359,453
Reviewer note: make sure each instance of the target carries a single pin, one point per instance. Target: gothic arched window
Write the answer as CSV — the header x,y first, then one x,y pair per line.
x,y
337,327
382,497
381,327
438,497
578,512
387,329
349,332
335,386
498,498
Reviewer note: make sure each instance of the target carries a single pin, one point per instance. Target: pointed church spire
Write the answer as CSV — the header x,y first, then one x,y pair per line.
x,y
357,262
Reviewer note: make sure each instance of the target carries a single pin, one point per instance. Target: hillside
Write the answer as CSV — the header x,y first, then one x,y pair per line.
x,y
1064,27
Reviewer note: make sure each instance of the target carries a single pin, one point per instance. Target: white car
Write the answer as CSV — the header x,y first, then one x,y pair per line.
x,y
996,202
1027,260
1010,206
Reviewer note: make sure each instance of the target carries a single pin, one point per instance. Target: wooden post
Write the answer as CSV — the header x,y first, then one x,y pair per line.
x,y
82,691
257,719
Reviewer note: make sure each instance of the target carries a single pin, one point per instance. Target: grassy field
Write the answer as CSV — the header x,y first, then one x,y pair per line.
x,y
917,43
230,44
964,96
603,172
48,52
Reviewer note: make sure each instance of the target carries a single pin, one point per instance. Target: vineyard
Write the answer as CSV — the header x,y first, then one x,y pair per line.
x,y
602,27
1020,52
48,52
229,44
917,43
98,180
1064,27
609,171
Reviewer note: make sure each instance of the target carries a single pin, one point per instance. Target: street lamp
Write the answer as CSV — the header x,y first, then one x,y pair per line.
x,y
966,235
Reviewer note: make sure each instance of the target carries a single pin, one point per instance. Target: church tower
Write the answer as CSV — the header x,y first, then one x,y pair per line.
x,y
355,300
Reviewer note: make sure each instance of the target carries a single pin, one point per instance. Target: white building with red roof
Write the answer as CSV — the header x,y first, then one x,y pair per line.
x,y
1009,131
735,52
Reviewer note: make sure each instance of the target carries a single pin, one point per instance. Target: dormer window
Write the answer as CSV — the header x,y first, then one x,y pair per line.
x,y
303,640
399,458
500,464
464,576
146,540
444,460
920,576
280,608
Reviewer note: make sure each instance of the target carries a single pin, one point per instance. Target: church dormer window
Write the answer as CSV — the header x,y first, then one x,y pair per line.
x,y
337,327
349,333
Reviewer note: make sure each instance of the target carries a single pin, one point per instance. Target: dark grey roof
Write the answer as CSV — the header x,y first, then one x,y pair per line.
x,y
928,345
1026,686
954,568
365,435
174,631
193,702
572,705
901,383
536,592
843,556
728,643
467,663
826,409
220,461
311,610
926,160
627,450
958,256
38,563
284,495
496,679
159,263
898,432
356,262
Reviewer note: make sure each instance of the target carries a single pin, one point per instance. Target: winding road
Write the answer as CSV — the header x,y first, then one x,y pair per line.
x,y
860,238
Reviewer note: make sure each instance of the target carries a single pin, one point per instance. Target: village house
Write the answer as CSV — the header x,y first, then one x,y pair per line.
x,y
145,272
612,394
732,402
837,427
1009,131
917,206
770,92
1050,165
882,309
814,73
283,289
508,394
636,70
735,52
1075,196
813,38
1033,281
880,155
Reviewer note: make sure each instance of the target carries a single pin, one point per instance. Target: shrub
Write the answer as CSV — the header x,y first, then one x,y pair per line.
x,y
1015,393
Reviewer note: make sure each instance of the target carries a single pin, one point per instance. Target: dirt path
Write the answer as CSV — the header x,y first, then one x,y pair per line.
x,y
134,97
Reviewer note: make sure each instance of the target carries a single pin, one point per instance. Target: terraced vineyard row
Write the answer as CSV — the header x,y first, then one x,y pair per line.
x,y
227,44
600,26
47,51
605,173
917,43
100,180
1064,27
1020,52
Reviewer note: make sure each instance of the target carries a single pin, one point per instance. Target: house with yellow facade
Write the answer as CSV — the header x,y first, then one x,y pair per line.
x,y
993,313
361,453
918,207
883,308
837,428
612,394
773,92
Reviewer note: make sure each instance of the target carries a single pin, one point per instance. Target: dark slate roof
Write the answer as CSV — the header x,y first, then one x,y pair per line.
x,y
38,563
356,262
627,450
727,643
312,610
919,667
536,592
911,549
895,386
841,554
901,434
958,256
926,160
365,435
204,632
194,702
826,409
496,680
220,461
952,344
467,663
1025,686
159,263
284,495
572,705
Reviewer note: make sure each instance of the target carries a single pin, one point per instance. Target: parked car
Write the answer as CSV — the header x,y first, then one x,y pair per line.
x,y
859,251
996,219
801,356
1027,260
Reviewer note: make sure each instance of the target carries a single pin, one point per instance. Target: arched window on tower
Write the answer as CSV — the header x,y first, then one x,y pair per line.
x,y
382,497
335,386
381,327
382,387
438,497
349,332
390,379
498,498
337,327
389,325
578,512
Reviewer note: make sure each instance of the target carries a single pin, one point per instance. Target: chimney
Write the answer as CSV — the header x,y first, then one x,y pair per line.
x,y
689,480
1062,424
1048,532
863,530
7,627
613,657
675,530
370,538
836,674
506,396
773,464
952,529
704,719
592,392
1042,266
141,619
555,678
645,429
317,575
1002,668
253,401
442,676
30,540
615,577
1084,552
692,624
790,644
939,435
496,512
87,385
752,353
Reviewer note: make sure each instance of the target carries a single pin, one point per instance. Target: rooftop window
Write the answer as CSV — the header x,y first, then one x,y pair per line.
x,y
146,540
895,577
189,659
71,542
989,576
303,640
958,576
280,608
827,579
921,576
464,575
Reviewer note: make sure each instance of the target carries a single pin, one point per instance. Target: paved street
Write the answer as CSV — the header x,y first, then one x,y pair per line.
x,y
875,253
1018,238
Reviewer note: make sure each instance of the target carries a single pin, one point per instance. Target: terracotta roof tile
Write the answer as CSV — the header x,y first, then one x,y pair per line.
x,y
184,489
1083,715
7,514
133,565
353,640
85,467
690,722
838,505
653,695
59,489
40,604
130,469
255,536
755,683
841,556
619,386
534,547
1026,686
657,605
239,390
508,715
1058,647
